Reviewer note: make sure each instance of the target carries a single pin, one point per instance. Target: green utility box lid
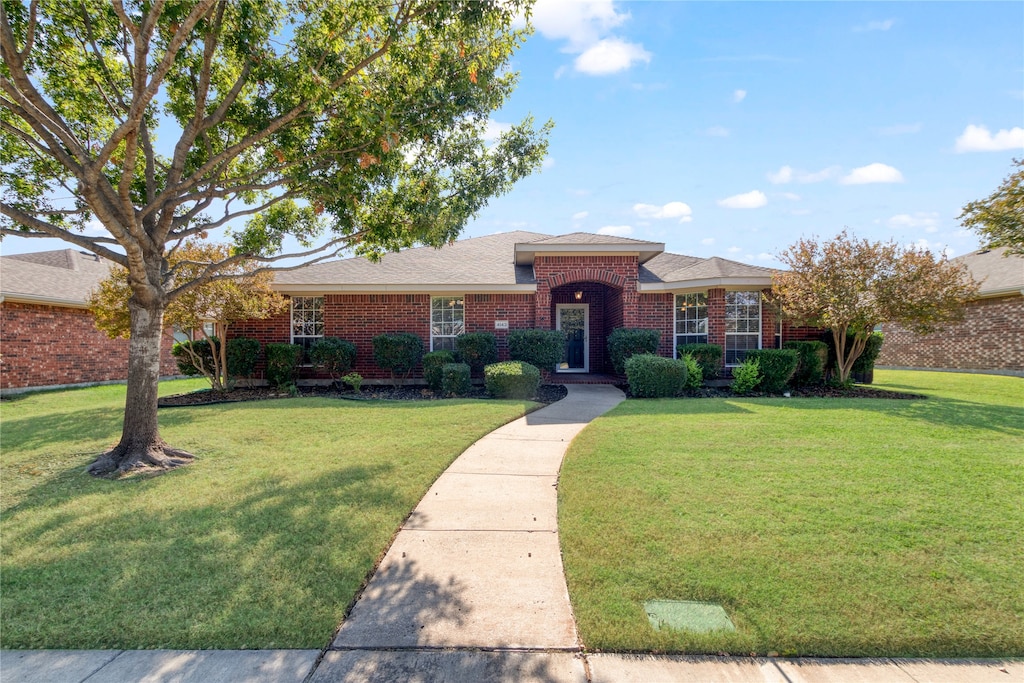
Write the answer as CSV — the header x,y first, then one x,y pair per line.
x,y
685,615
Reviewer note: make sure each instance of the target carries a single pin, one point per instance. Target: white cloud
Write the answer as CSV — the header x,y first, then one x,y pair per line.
x,y
616,230
749,200
980,139
734,250
708,241
548,162
609,56
928,221
717,132
493,129
934,247
765,256
580,215
901,129
585,26
884,25
739,95
94,228
791,196
872,173
671,210
788,174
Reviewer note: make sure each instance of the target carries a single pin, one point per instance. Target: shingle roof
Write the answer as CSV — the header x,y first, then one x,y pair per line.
x,y
997,273
593,238
62,277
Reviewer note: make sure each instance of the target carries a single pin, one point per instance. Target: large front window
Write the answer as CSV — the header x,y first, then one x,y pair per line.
x,y
307,320
691,319
742,325
447,321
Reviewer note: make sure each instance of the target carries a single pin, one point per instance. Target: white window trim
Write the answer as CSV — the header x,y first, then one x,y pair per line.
x,y
675,319
461,297
291,318
586,336
760,320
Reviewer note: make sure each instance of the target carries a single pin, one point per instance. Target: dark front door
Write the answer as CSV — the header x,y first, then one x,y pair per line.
x,y
573,320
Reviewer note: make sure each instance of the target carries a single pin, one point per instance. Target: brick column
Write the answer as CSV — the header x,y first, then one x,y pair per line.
x,y
767,322
716,319
542,302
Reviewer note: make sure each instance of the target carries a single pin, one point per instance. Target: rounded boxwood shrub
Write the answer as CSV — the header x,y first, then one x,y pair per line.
x,y
810,368
745,377
512,379
477,349
282,364
243,353
651,376
625,342
333,355
777,367
398,353
540,348
708,357
432,364
187,363
455,379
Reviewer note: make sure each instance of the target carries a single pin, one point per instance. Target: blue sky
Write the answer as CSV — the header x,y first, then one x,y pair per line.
x,y
733,129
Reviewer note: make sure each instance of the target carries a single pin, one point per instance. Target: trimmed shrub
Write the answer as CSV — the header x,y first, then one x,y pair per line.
x,y
333,355
542,349
694,375
777,367
354,380
651,376
455,379
282,364
810,368
477,349
512,379
201,348
745,377
708,357
432,364
625,342
243,353
398,353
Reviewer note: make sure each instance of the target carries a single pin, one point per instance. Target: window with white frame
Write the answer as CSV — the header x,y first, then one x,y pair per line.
x,y
307,320
691,319
447,321
742,325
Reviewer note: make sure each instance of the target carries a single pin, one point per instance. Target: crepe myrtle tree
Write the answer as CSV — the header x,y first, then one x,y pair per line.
x,y
850,285
338,123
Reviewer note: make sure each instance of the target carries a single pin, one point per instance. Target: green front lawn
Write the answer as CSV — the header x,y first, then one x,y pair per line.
x,y
262,542
832,527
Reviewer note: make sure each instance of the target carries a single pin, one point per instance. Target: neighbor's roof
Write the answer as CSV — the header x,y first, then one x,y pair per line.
x,y
997,273
503,263
63,277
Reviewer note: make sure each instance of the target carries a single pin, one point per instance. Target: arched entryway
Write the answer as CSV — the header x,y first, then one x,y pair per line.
x,y
587,312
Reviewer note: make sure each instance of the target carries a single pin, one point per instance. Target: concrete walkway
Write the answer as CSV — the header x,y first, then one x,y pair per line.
x,y
472,589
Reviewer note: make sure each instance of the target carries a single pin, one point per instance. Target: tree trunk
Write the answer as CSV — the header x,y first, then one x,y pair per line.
x,y
141,447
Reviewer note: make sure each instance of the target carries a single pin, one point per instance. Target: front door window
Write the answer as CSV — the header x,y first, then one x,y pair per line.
x,y
572,319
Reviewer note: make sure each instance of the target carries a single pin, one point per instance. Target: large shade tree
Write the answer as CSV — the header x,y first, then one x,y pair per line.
x,y
849,285
999,218
129,126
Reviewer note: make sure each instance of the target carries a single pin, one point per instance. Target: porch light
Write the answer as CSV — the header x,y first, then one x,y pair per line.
x,y
579,295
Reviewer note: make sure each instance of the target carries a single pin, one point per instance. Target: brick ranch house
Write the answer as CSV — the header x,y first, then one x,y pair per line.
x,y
47,335
582,283
991,337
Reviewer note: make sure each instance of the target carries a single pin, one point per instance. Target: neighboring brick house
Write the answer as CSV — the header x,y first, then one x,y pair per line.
x,y
583,283
47,334
991,336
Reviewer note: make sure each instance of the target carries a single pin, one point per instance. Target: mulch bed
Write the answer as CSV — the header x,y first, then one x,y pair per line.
x,y
858,391
548,393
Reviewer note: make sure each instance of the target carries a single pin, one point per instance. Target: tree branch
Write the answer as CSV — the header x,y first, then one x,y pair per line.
x,y
44,229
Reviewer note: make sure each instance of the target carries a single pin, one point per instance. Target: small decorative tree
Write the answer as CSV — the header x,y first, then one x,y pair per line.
x,y
999,218
848,285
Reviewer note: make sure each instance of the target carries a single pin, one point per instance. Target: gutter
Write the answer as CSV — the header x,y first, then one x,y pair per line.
x,y
43,300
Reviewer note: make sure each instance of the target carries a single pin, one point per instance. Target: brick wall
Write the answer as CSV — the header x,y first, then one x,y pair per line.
x,y
597,297
656,312
53,345
991,337
618,272
483,309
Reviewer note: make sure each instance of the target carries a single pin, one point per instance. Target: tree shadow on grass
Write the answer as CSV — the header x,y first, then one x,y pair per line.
x,y
275,568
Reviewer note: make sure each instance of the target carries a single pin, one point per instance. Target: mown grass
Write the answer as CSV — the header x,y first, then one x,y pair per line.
x,y
262,542
844,527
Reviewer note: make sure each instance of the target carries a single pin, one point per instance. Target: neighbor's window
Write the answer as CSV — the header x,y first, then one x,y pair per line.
x,y
691,319
307,320
447,321
742,325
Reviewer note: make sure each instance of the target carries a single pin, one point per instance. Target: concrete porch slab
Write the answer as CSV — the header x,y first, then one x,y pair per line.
x,y
497,502
465,589
418,666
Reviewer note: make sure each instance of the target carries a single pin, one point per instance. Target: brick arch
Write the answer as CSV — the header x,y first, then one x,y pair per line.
x,y
568,277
